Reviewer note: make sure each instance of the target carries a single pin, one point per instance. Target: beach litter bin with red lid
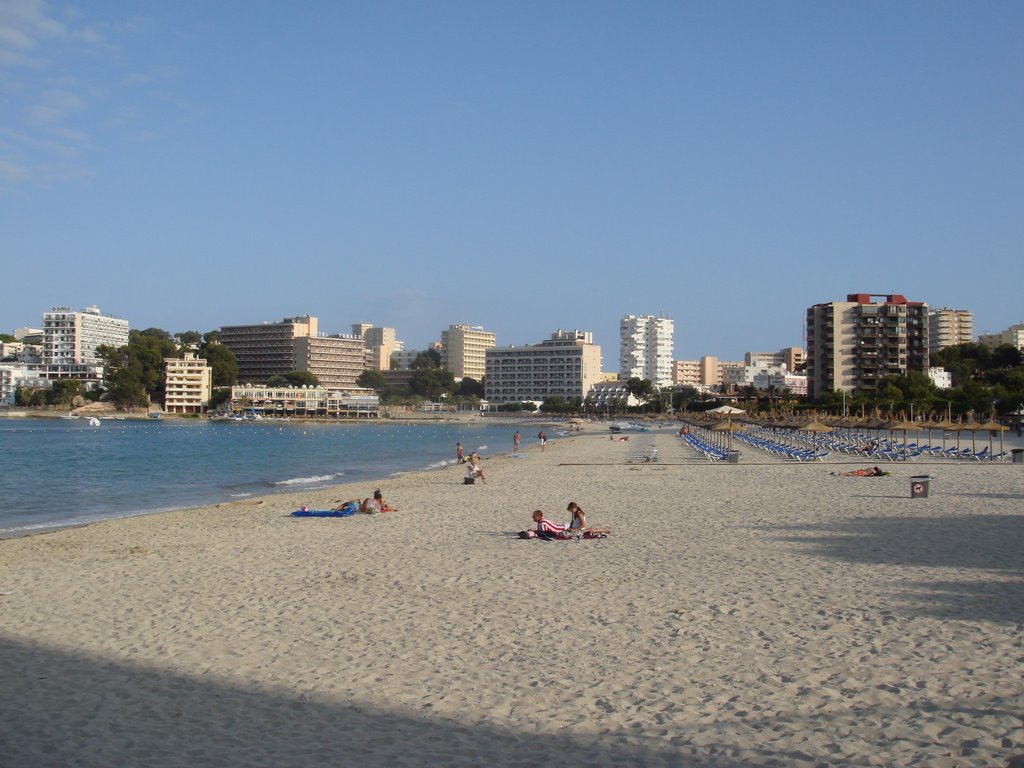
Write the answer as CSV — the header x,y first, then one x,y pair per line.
x,y
919,486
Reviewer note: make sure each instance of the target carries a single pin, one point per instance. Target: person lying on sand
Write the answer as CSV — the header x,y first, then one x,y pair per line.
x,y
369,506
873,472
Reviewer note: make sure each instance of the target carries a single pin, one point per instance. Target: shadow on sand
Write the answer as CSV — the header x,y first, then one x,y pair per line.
x,y
67,709
990,544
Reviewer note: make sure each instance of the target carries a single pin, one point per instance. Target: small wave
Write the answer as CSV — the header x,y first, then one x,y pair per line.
x,y
239,495
483,448
308,480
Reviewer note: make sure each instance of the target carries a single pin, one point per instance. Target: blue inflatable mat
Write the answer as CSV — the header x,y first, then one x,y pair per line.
x,y
323,513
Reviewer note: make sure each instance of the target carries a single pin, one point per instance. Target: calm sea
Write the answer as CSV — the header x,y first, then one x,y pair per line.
x,y
56,472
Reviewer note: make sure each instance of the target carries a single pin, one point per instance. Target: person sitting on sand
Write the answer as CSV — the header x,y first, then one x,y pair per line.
x,y
873,472
579,520
473,468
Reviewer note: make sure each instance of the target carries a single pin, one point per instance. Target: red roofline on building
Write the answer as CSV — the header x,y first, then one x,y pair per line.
x,y
866,298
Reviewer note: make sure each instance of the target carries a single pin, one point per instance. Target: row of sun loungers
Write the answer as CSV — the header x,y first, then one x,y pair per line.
x,y
809,447
782,449
893,450
709,451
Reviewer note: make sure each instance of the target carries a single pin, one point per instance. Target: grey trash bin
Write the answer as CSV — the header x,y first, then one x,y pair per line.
x,y
1018,455
919,486
734,457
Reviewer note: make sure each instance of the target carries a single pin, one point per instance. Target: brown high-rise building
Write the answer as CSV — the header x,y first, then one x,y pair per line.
x,y
852,345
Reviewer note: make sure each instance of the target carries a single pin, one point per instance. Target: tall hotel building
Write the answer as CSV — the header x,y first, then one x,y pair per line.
x,y
567,365
70,340
267,349
464,351
336,361
852,345
275,349
645,349
949,327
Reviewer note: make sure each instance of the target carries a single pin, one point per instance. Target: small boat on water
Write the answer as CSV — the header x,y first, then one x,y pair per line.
x,y
627,426
93,421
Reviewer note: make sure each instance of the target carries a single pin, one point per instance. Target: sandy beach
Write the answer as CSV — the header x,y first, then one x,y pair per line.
x,y
765,613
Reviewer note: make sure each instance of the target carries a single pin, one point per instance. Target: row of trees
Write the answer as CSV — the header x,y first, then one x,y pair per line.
x,y
985,382
134,373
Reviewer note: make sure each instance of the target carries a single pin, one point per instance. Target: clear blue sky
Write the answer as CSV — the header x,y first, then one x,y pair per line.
x,y
523,166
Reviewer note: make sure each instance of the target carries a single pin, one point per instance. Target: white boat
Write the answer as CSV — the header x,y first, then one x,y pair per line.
x,y
93,421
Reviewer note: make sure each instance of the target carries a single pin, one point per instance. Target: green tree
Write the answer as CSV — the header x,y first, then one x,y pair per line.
x,y
301,379
554,404
64,391
470,387
371,379
430,358
642,389
432,382
7,338
188,340
30,397
223,362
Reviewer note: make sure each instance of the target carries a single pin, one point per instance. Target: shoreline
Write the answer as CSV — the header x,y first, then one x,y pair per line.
x,y
758,615
319,491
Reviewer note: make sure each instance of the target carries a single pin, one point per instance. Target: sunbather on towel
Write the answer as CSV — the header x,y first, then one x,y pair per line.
x,y
873,472
369,506
579,520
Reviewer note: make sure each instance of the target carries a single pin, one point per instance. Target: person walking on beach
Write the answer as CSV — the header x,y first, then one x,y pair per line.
x,y
458,454
516,438
543,440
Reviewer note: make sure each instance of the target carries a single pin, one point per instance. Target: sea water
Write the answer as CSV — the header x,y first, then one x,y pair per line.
x,y
57,472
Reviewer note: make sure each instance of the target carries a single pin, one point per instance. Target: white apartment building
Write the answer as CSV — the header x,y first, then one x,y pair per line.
x,y
611,394
567,365
188,384
14,376
941,378
949,327
70,341
791,357
645,349
464,351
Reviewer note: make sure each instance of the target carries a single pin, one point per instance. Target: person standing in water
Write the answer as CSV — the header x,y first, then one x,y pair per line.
x,y
516,438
